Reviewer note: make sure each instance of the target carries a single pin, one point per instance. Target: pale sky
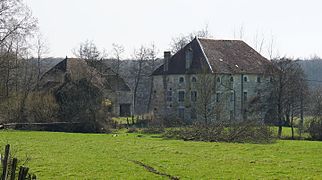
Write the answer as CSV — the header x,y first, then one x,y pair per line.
x,y
295,25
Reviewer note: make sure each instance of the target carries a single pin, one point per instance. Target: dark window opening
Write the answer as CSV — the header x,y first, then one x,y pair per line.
x,y
218,79
181,80
217,97
245,96
193,96
169,95
258,79
181,96
194,79
245,79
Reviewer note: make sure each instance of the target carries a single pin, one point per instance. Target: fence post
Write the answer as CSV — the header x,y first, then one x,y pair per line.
x,y
5,162
23,173
13,169
127,123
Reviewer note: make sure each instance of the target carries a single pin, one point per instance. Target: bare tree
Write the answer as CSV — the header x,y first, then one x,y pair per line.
x,y
181,41
287,91
206,85
16,26
141,55
88,51
41,49
152,65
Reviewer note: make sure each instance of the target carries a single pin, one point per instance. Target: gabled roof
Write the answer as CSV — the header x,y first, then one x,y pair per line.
x,y
77,69
218,56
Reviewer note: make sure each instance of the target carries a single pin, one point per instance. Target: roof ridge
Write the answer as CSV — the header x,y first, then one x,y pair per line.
x,y
203,52
212,39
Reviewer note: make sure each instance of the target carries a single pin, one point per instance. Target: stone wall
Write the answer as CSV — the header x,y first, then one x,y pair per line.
x,y
228,88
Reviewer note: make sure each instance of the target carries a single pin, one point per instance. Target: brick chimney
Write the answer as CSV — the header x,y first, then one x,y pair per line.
x,y
167,56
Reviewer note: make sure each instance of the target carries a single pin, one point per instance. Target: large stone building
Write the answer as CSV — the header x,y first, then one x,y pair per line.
x,y
112,86
211,79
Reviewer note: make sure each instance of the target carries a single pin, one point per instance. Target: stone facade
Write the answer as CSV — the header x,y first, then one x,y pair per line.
x,y
226,94
182,89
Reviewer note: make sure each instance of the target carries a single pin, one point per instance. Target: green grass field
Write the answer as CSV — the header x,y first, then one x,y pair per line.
x,y
102,156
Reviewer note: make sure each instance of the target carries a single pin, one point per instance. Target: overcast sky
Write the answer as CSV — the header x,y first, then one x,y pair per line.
x,y
295,25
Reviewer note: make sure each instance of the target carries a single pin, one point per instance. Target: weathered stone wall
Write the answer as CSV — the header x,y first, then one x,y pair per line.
x,y
230,108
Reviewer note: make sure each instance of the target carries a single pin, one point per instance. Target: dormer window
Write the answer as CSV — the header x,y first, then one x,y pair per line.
x,y
188,58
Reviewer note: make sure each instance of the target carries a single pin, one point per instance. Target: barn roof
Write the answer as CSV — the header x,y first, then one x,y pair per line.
x,y
77,69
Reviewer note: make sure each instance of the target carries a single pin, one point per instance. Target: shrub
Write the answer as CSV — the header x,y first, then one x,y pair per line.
x,y
132,130
41,107
242,132
315,129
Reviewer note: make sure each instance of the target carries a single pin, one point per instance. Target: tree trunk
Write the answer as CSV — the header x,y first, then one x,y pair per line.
x,y
292,127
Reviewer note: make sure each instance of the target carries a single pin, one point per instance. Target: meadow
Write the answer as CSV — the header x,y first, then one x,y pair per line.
x,y
55,155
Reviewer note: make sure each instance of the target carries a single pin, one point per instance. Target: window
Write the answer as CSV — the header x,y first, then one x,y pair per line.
x,y
181,96
193,79
193,114
245,78
217,97
181,80
258,79
169,95
193,96
232,96
154,91
271,79
181,113
231,115
245,96
218,79
232,79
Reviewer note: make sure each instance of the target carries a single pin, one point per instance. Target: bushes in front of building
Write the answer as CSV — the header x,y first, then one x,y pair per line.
x,y
241,132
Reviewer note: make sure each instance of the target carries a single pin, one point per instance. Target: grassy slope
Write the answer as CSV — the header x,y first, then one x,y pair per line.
x,y
101,156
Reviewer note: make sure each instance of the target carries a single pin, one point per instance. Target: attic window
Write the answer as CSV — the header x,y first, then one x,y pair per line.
x,y
181,80
193,79
218,79
245,78
258,79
